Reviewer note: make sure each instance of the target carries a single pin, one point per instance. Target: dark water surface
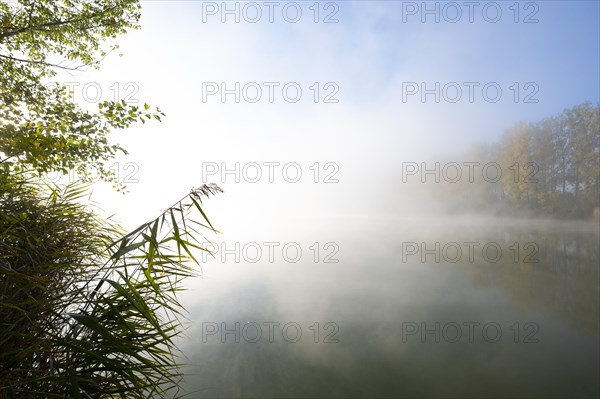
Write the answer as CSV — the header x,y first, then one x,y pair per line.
x,y
523,322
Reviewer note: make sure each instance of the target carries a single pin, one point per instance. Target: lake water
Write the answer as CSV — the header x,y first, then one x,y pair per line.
x,y
509,309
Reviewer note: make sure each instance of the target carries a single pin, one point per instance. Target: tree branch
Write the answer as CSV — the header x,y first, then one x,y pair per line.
x,y
77,68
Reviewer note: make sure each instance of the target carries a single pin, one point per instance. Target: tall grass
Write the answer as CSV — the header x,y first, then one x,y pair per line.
x,y
87,311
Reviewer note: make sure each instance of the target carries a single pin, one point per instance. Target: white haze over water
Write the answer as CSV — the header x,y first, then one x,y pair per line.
x,y
368,134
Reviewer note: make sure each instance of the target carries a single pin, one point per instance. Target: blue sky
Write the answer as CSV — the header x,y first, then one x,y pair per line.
x,y
369,55
371,50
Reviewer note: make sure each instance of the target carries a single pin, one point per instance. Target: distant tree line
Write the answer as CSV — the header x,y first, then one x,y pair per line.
x,y
547,168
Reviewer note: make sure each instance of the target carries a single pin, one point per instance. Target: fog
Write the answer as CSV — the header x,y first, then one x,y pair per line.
x,y
335,210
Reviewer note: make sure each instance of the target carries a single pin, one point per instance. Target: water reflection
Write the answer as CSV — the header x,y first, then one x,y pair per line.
x,y
377,295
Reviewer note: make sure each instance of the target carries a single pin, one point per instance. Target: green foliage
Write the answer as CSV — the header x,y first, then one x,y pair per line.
x,y
564,152
40,128
43,252
84,313
549,168
39,35
58,136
